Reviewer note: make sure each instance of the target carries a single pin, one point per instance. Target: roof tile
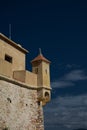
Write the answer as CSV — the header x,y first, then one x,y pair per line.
x,y
40,57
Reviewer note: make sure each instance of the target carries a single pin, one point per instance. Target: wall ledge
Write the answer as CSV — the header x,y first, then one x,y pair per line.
x,y
16,82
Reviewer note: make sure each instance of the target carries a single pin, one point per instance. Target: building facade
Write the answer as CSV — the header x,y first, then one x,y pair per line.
x,y
22,93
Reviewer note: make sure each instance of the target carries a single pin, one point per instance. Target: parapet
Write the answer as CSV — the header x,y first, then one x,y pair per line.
x,y
26,77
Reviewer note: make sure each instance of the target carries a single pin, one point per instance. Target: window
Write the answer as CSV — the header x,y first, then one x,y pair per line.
x,y
46,71
36,70
46,94
8,58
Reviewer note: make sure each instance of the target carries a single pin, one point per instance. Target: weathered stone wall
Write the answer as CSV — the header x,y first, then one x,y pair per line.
x,y
19,108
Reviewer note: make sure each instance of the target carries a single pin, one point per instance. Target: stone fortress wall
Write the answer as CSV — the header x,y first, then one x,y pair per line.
x,y
22,93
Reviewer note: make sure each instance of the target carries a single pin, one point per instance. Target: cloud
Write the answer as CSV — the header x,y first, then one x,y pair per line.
x,y
75,75
72,66
61,83
69,79
66,113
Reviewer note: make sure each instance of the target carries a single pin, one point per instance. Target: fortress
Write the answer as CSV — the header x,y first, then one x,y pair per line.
x,y
22,93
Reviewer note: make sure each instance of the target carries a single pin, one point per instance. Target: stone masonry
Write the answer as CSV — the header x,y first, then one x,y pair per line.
x,y
22,93
19,108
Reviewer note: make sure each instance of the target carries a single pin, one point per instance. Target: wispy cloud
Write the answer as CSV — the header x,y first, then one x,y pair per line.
x,y
69,79
68,112
61,83
72,66
75,75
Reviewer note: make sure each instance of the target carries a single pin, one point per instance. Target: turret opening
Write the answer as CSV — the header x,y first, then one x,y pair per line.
x,y
36,70
46,71
47,95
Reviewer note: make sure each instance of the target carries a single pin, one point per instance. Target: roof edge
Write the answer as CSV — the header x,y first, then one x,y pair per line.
x,y
12,43
40,57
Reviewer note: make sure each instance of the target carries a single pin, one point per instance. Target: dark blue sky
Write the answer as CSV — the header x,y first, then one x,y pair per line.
x,y
60,29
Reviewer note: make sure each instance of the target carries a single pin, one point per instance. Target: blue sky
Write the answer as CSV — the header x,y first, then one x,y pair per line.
x,y
59,28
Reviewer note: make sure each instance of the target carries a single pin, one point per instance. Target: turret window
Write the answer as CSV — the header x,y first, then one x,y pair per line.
x,y
36,70
46,94
8,58
46,71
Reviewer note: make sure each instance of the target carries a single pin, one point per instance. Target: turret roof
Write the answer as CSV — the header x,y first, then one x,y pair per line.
x,y
40,57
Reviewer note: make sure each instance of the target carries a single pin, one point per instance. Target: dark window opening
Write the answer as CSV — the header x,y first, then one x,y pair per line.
x,y
36,70
46,94
46,71
8,58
